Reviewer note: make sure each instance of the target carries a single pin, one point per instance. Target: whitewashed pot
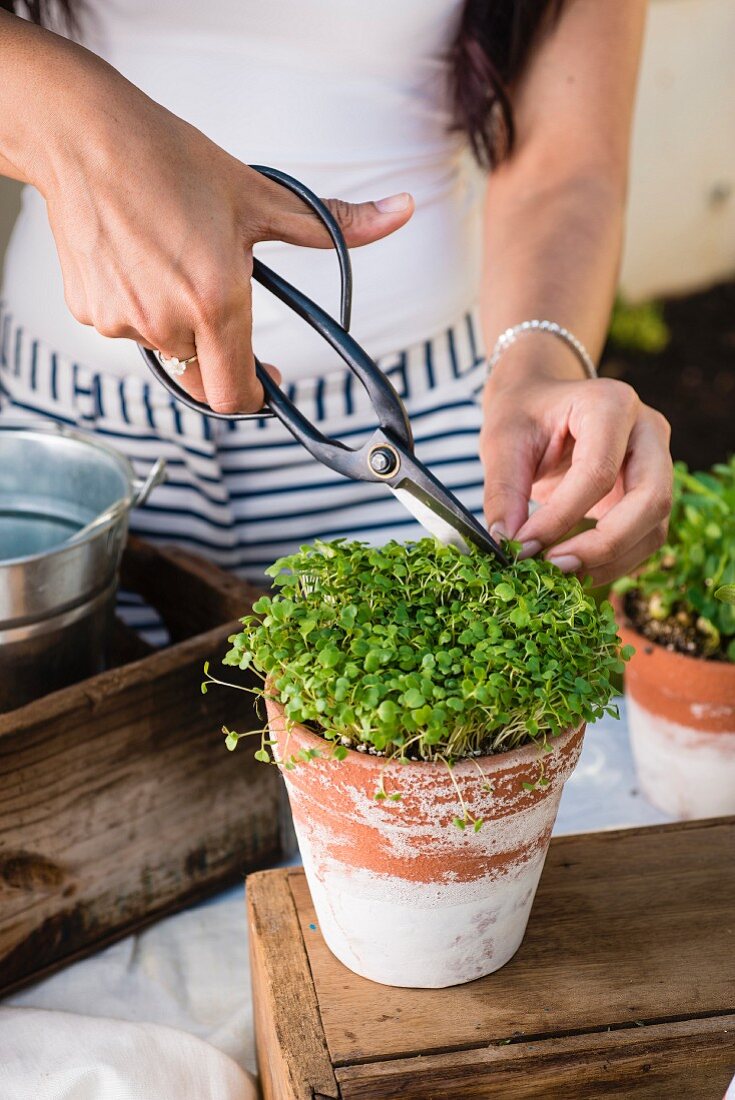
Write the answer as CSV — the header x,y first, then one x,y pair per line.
x,y
681,717
403,897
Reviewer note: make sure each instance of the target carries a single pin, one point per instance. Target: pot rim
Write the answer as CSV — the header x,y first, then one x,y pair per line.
x,y
725,668
62,431
522,755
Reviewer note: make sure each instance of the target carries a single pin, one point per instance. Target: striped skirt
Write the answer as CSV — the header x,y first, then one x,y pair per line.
x,y
243,494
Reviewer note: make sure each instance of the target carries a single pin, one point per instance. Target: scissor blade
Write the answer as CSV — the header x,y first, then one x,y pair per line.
x,y
436,507
431,521
440,513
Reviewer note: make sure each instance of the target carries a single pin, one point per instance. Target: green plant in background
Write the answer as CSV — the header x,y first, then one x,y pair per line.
x,y
416,651
639,327
691,579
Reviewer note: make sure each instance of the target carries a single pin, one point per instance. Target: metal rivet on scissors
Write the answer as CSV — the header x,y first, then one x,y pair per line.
x,y
387,455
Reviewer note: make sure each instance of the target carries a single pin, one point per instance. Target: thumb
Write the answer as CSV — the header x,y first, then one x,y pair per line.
x,y
509,475
360,222
363,222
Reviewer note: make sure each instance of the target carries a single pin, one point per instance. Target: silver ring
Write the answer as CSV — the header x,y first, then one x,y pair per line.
x,y
173,366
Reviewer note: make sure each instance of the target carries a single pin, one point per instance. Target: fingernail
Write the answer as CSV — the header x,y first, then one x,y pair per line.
x,y
498,532
568,563
529,549
394,203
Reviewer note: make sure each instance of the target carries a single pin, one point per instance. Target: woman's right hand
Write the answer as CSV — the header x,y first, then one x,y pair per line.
x,y
155,224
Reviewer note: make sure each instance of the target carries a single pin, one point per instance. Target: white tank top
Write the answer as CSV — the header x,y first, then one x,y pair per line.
x,y
351,98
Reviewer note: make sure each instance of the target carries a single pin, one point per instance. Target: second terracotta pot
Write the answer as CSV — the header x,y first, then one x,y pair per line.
x,y
403,896
681,717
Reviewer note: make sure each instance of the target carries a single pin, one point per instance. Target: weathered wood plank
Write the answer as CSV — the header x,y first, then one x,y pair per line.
x,y
125,645
693,1059
624,986
190,593
292,1055
631,925
119,801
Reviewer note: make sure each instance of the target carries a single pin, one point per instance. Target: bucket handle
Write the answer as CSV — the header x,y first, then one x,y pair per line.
x,y
142,489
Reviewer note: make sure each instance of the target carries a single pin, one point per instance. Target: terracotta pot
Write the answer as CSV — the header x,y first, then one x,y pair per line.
x,y
403,896
681,717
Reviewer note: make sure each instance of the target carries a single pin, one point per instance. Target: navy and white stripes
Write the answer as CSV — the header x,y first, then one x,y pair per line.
x,y
242,494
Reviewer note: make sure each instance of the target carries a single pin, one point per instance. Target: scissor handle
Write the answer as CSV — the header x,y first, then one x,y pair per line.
x,y
330,223
388,405
325,215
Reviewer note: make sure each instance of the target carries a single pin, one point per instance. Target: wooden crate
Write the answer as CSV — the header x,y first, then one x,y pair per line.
x,y
623,987
118,799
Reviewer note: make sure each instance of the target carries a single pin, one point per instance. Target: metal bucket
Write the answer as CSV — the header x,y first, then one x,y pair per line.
x,y
64,504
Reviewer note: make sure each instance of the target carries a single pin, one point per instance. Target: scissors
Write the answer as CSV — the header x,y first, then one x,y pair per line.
x,y
388,455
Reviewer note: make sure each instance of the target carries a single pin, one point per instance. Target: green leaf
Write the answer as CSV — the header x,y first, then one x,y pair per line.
x,y
330,656
348,615
388,712
505,591
263,756
372,660
725,593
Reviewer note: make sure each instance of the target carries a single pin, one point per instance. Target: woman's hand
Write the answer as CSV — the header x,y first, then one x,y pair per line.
x,y
579,448
153,222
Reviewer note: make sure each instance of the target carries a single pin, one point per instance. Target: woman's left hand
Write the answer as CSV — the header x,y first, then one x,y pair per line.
x,y
579,448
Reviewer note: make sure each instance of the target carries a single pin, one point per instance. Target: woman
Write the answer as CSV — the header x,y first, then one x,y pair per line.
x,y
154,225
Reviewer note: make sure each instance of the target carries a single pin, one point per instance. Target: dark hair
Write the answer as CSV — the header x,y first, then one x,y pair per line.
x,y
489,52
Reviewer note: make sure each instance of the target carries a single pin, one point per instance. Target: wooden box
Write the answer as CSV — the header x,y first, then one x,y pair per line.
x,y
623,987
119,801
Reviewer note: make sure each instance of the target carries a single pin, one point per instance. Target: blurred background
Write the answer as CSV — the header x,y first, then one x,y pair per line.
x,y
673,331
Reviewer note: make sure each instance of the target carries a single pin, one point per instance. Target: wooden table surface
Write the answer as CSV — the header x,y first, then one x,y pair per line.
x,y
624,986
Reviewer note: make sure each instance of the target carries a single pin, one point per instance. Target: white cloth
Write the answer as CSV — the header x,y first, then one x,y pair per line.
x,y
59,1056
350,98
191,971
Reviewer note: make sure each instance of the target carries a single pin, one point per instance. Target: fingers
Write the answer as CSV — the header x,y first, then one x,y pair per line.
x,y
191,381
508,455
273,372
601,420
635,526
224,351
606,574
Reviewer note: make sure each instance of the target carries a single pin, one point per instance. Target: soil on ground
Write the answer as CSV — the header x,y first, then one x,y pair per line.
x,y
692,382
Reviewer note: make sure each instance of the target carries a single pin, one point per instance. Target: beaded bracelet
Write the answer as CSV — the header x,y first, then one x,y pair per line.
x,y
511,335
